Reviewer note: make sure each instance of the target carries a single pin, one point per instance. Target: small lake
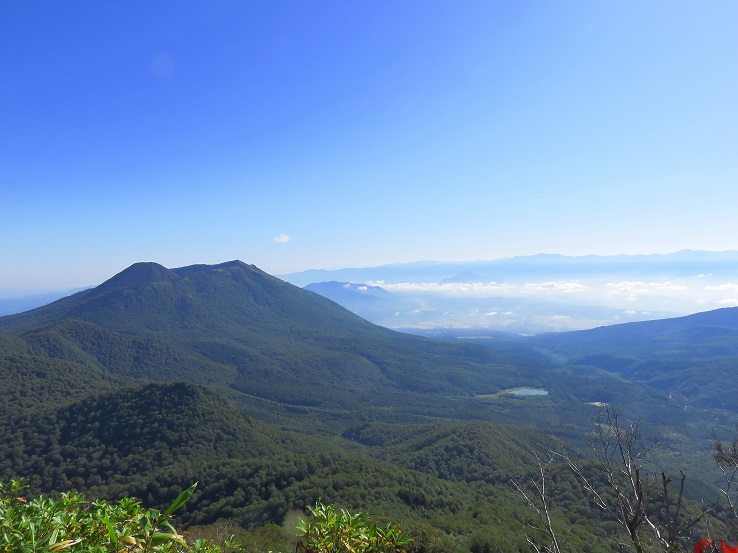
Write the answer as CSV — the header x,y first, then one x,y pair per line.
x,y
520,391
527,392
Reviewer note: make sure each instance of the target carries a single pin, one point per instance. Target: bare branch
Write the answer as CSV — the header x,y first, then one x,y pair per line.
x,y
540,502
631,495
727,462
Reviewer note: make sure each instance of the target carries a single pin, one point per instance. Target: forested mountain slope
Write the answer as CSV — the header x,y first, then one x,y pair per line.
x,y
234,325
707,334
692,358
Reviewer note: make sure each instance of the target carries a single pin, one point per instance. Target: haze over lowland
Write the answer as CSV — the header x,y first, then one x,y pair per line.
x,y
534,293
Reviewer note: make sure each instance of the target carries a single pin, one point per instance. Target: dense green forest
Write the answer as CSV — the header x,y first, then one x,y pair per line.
x,y
274,398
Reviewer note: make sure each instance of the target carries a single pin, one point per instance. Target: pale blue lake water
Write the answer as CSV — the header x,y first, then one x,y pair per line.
x,y
528,392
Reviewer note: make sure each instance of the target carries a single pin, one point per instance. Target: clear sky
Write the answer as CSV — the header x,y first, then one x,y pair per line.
x,y
324,134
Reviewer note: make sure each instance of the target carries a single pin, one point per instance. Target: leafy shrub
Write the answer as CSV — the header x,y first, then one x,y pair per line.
x,y
334,531
71,524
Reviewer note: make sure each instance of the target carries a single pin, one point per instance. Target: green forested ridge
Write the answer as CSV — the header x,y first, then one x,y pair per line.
x,y
119,353
38,382
112,438
694,336
104,392
235,325
478,452
691,359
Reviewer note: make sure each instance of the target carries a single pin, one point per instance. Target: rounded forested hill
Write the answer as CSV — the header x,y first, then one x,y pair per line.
x,y
110,438
465,452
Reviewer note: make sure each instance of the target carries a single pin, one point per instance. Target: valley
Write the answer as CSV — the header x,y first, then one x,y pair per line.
x,y
274,397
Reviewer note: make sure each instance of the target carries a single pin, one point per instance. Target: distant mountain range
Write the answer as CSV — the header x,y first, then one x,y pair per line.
x,y
539,293
685,263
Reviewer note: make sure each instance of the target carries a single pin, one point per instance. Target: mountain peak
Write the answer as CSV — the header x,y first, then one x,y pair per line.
x,y
201,267
137,274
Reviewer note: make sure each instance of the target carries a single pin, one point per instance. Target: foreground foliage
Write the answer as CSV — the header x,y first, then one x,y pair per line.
x,y
73,524
334,531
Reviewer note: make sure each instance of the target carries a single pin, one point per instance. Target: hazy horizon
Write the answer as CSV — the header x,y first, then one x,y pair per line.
x,y
341,134
65,285
522,294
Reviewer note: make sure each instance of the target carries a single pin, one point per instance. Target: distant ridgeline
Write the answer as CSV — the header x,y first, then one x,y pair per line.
x,y
529,294
685,263
273,397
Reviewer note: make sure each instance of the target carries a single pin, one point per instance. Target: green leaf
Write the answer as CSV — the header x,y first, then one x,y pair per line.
x,y
159,538
64,544
112,537
181,498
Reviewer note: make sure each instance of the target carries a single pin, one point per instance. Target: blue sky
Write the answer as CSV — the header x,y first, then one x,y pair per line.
x,y
325,134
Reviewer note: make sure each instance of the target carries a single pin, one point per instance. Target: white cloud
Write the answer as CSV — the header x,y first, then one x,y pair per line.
x,y
561,317
729,302
281,239
729,287
668,295
633,288
362,288
670,286
567,286
473,288
483,288
626,286
490,314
